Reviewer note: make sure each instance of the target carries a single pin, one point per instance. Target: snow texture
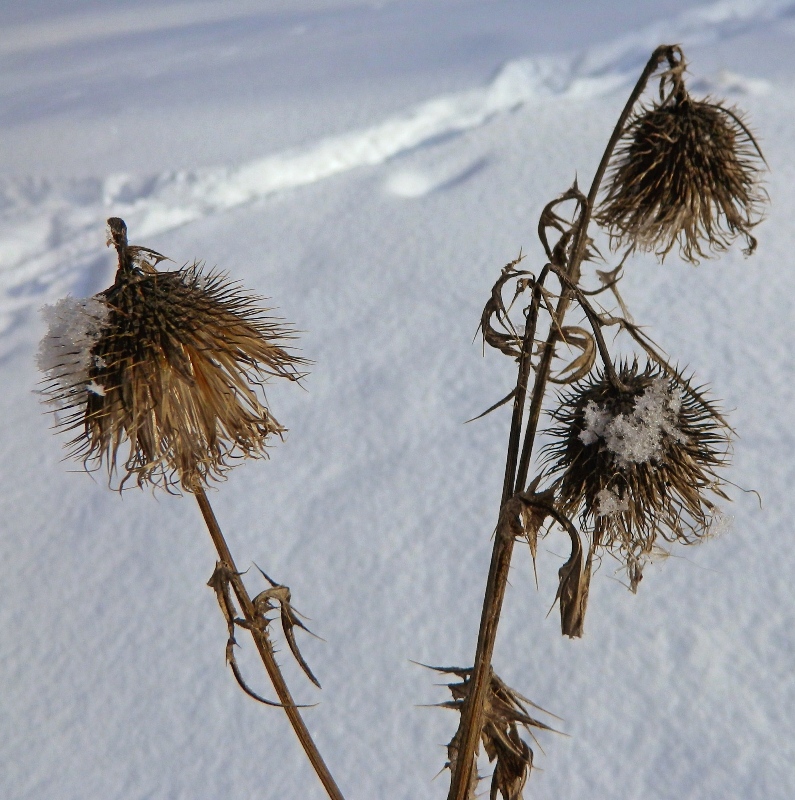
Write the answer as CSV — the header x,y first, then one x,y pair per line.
x,y
64,354
369,167
608,503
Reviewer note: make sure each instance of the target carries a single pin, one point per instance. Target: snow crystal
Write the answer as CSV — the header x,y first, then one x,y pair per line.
x,y
608,503
720,523
596,422
96,388
637,437
64,353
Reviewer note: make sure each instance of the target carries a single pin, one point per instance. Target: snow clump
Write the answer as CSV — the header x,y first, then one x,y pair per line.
x,y
637,437
609,503
64,354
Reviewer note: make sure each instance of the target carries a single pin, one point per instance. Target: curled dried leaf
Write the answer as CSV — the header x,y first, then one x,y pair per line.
x,y
505,711
505,339
582,340
220,582
290,619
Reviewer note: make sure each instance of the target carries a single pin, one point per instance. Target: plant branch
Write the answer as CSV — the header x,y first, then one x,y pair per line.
x,y
265,648
516,475
472,711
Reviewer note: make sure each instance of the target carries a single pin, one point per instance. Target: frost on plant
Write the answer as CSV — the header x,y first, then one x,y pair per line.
x,y
635,455
637,436
65,353
608,502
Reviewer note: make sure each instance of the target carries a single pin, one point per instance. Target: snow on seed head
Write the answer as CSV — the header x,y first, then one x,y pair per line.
x,y
637,462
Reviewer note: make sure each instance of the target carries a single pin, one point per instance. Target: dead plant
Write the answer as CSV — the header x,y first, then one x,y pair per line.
x,y
162,377
636,448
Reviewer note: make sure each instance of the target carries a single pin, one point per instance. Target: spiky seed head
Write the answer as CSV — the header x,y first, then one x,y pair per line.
x,y
637,463
685,172
162,374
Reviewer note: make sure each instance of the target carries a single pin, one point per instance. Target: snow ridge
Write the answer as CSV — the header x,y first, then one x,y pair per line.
x,y
48,230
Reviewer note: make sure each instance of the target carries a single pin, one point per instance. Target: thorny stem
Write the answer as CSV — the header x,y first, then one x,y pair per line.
x,y
265,649
472,712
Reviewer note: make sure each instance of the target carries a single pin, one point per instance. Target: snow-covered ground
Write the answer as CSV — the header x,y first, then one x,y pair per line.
x,y
370,166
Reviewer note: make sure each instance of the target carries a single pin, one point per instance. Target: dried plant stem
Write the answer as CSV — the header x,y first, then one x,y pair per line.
x,y
516,479
265,649
472,712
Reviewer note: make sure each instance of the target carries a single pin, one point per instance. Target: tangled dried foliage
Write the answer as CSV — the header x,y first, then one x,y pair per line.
x,y
170,377
637,462
504,711
686,171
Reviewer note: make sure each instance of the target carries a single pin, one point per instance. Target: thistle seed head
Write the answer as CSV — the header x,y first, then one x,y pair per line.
x,y
686,172
637,463
162,373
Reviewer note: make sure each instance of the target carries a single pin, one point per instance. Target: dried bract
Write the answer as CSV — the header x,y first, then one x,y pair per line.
x,y
162,373
504,711
638,462
686,172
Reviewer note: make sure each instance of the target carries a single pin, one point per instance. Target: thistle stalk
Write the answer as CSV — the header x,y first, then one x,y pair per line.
x,y
516,479
265,648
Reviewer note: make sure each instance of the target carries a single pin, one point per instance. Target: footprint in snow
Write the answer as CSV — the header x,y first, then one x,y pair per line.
x,y
413,183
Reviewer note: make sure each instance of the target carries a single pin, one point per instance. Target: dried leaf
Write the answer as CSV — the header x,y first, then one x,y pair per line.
x,y
289,619
504,711
582,340
219,582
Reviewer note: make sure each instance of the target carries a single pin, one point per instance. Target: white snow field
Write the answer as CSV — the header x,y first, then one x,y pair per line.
x,y
370,167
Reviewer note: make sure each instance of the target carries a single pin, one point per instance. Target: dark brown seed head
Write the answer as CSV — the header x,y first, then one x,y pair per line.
x,y
162,373
638,463
686,172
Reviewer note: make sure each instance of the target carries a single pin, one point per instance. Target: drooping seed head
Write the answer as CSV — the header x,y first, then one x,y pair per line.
x,y
685,172
162,374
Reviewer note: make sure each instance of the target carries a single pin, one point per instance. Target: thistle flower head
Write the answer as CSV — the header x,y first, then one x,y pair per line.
x,y
637,463
162,373
686,172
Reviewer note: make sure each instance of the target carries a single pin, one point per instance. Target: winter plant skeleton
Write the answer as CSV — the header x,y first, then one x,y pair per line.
x,y
636,447
160,379
161,375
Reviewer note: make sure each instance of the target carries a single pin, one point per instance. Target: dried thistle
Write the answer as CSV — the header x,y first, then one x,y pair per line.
x,y
637,463
166,372
504,712
636,452
686,171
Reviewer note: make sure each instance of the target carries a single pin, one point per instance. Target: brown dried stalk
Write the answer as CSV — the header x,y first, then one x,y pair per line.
x,y
265,648
665,493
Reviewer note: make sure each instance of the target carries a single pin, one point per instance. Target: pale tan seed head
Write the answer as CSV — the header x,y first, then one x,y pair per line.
x,y
171,387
